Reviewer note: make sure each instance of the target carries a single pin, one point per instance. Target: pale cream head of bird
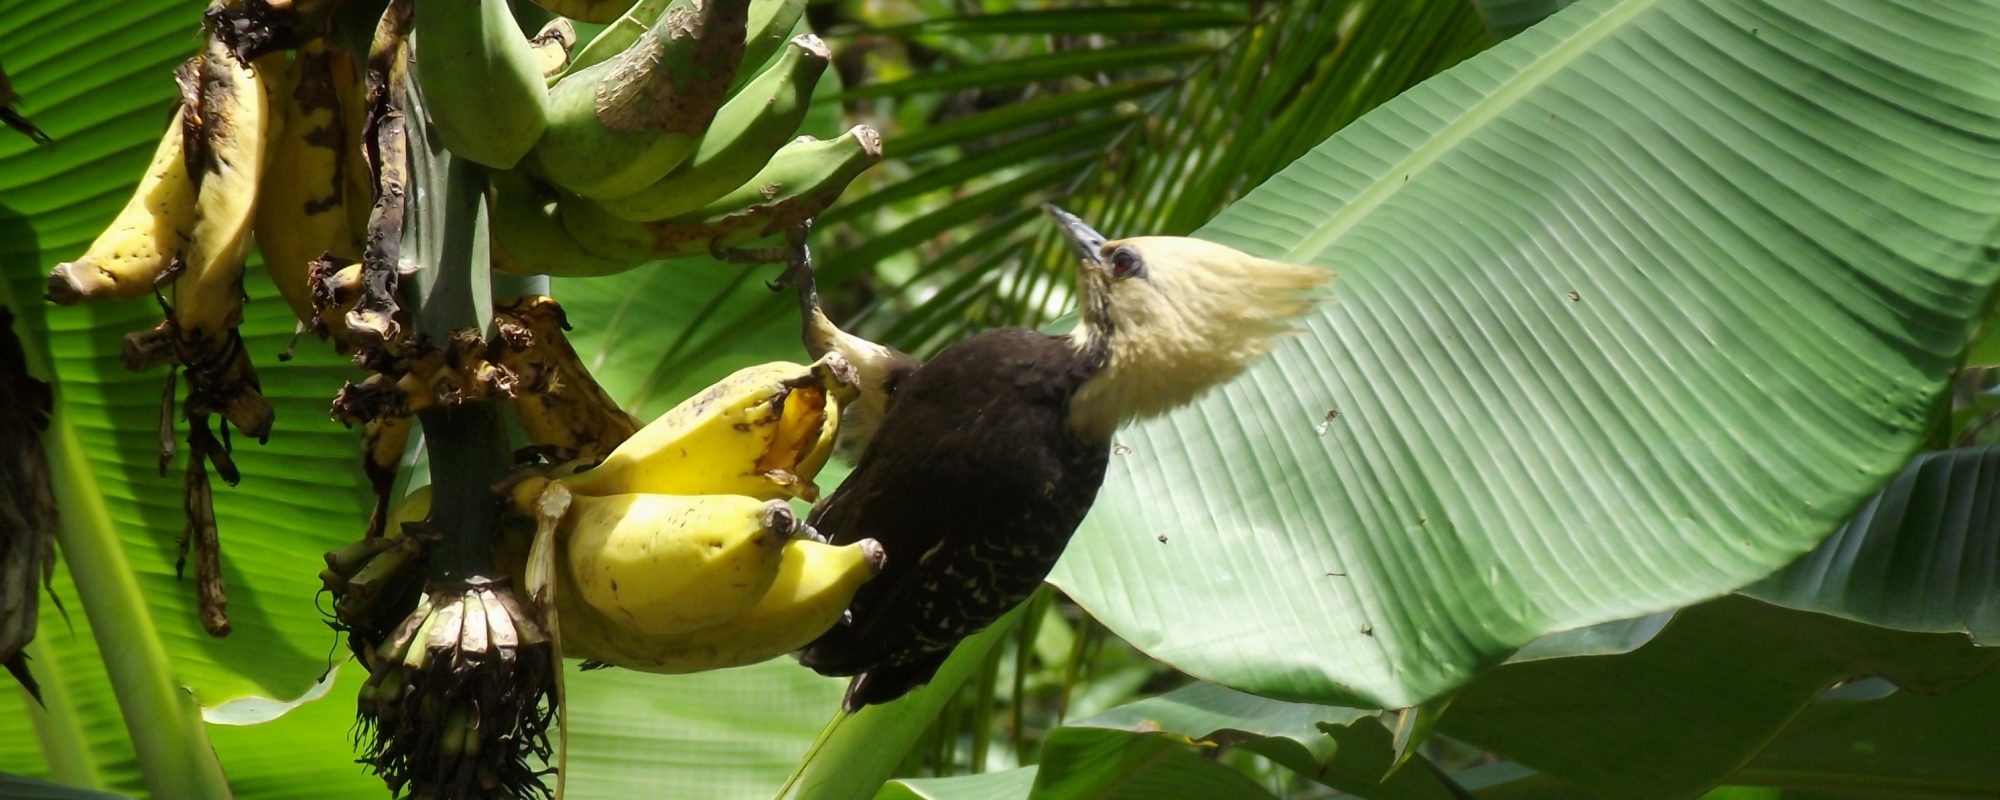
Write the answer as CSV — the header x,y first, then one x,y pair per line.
x,y
1172,317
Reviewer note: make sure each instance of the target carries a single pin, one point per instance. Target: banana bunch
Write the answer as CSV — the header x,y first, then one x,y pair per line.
x,y
670,135
678,552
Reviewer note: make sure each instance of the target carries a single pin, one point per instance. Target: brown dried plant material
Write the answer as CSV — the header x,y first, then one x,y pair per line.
x,y
27,504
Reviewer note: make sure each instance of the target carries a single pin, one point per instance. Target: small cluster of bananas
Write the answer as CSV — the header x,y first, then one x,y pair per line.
x,y
670,135
258,142
678,553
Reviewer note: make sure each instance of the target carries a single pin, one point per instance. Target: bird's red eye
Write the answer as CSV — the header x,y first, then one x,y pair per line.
x,y
1124,263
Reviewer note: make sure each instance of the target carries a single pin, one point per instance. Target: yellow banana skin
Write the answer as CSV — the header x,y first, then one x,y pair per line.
x,y
357,180
746,132
564,411
616,127
234,119
552,45
799,181
815,583
749,434
301,210
662,564
136,248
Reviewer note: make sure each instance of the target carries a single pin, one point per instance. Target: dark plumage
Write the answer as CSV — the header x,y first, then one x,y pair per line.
x,y
973,484
976,468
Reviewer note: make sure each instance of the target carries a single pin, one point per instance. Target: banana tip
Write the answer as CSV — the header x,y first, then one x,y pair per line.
x,y
871,141
779,519
65,286
872,551
813,46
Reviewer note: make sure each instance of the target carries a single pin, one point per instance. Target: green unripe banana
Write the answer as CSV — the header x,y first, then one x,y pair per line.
x,y
800,181
482,80
768,25
527,239
618,126
616,36
745,133
587,10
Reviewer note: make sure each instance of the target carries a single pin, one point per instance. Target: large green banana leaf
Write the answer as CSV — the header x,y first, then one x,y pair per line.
x,y
97,77
1634,308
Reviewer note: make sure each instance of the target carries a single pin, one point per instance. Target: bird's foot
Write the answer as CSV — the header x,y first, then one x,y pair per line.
x,y
798,261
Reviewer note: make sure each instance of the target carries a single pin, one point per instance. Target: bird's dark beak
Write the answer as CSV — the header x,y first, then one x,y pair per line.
x,y
1084,239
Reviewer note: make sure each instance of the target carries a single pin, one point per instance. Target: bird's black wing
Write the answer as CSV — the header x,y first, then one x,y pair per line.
x,y
972,486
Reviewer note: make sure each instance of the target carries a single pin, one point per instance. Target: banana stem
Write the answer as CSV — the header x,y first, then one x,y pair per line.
x,y
468,443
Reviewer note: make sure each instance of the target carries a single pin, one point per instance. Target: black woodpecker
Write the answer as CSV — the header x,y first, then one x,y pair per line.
x,y
979,464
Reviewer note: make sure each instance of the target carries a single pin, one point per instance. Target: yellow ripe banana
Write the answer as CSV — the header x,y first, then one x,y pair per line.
x,y
598,11
357,181
551,46
616,127
382,443
529,240
557,402
301,213
739,142
234,119
662,564
749,434
482,81
815,583
141,242
800,181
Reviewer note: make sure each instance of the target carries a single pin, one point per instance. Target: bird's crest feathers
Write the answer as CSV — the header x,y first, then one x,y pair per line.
x,y
1192,315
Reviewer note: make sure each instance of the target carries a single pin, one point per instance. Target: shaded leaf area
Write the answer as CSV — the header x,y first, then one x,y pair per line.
x,y
861,754
1003,785
302,493
1691,707
1346,749
1906,745
731,733
1122,765
1923,555
21,788
1666,364
1508,17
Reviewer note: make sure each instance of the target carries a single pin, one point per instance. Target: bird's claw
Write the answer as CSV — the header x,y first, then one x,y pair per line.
x,y
798,259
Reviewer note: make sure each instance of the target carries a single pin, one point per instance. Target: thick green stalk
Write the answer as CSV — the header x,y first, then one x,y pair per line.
x,y
63,747
164,724
161,719
468,445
